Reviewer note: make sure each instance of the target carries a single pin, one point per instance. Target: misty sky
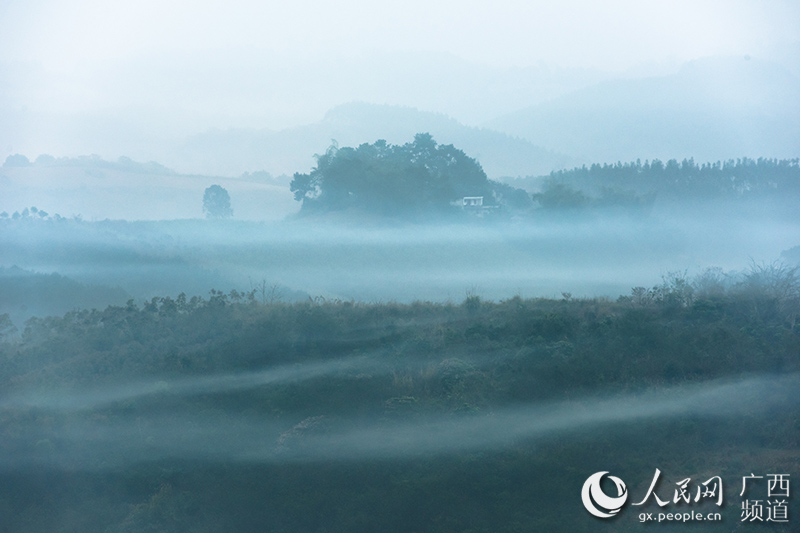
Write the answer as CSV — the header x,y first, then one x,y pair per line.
x,y
609,35
97,56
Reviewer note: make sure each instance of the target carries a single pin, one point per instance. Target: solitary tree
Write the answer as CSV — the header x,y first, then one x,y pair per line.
x,y
217,203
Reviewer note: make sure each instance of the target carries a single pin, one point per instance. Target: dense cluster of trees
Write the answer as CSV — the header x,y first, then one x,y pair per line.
x,y
425,359
732,178
419,178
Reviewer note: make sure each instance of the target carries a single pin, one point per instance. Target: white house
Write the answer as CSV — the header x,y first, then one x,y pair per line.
x,y
472,201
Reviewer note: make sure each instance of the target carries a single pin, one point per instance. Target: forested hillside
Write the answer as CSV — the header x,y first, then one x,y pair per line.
x,y
636,186
226,414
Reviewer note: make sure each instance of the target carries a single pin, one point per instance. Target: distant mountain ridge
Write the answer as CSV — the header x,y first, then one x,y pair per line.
x,y
233,152
712,109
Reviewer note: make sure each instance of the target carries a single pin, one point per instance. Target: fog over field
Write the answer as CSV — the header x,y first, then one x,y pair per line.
x,y
599,254
404,266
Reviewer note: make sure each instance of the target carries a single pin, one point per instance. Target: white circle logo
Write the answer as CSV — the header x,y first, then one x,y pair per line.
x,y
594,497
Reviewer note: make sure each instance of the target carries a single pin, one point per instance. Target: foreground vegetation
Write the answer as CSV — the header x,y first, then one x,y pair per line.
x,y
229,414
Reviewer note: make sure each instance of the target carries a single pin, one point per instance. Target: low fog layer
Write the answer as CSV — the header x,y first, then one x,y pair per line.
x,y
124,392
586,255
117,440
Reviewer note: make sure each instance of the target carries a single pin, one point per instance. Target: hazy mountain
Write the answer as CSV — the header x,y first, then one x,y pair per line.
x,y
139,106
712,109
232,152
